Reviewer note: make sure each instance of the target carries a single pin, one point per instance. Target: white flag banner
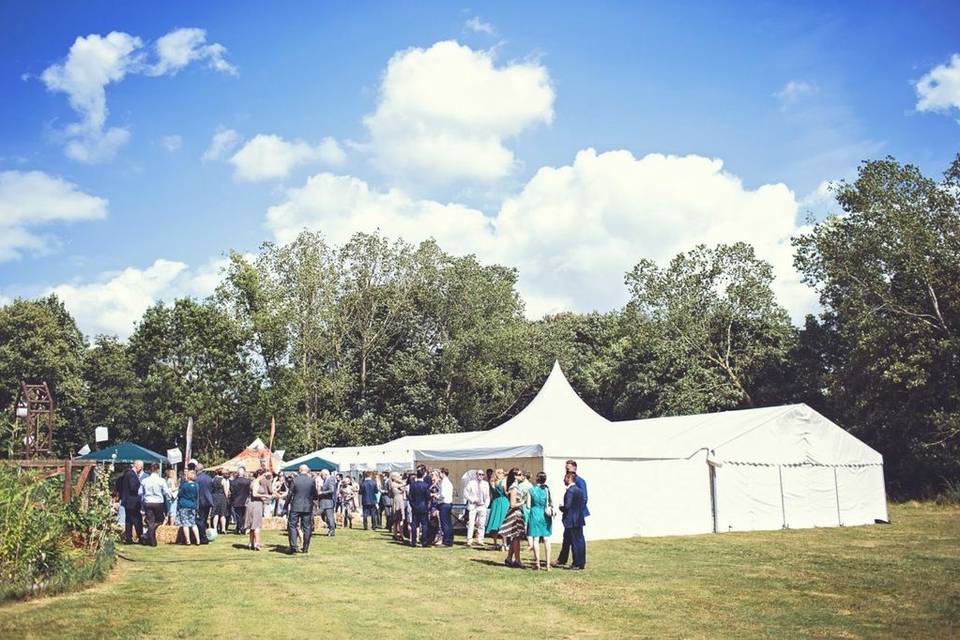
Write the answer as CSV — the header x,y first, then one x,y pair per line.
x,y
101,434
174,456
84,450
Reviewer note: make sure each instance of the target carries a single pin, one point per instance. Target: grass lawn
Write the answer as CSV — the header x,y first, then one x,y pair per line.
x,y
896,581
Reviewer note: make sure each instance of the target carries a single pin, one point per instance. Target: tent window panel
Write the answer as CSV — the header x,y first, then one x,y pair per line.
x,y
810,496
861,495
748,498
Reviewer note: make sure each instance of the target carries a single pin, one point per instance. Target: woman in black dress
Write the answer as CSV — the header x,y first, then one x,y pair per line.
x,y
219,489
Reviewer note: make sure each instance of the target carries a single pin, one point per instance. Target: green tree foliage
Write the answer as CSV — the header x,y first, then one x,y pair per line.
x,y
40,342
888,273
718,325
191,361
377,339
113,391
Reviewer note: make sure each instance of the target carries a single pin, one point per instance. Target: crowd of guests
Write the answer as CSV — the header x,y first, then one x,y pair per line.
x,y
509,507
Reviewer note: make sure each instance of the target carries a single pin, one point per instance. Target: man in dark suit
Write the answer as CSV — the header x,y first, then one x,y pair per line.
x,y
204,502
328,500
130,501
240,491
582,485
368,500
419,499
303,491
573,521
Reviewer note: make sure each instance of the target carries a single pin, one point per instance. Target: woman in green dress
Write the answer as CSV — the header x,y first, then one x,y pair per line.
x,y
499,504
540,519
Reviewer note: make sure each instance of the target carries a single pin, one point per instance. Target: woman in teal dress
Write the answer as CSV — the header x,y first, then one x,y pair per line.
x,y
540,519
499,504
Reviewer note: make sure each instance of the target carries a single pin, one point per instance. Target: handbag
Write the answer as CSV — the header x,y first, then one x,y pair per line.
x,y
548,510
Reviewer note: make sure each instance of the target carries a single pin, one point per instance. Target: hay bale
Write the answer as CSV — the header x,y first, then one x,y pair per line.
x,y
167,534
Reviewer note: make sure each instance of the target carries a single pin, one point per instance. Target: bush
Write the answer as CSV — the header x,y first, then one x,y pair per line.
x,y
46,546
950,493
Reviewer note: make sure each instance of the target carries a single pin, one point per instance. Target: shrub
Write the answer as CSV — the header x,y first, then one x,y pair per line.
x,y
950,493
46,545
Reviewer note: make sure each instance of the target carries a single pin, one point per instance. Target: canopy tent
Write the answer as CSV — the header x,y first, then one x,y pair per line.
x,y
314,463
395,455
752,469
125,452
254,457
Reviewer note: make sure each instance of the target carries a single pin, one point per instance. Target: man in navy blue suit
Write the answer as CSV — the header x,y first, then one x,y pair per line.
x,y
574,507
419,508
205,502
368,500
582,485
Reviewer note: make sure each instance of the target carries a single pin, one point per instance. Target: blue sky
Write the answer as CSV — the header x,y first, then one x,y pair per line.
x,y
471,123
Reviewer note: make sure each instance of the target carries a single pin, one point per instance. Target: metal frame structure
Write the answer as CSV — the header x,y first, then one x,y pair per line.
x,y
35,405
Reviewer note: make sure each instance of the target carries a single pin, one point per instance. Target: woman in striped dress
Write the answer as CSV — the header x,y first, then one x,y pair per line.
x,y
514,528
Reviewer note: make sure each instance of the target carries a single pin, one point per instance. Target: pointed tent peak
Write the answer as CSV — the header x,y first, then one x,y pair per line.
x,y
257,444
557,384
556,403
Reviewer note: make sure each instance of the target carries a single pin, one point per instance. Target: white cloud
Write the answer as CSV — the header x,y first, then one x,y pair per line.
x,y
33,199
342,205
115,301
939,88
223,143
180,47
268,156
172,143
479,26
445,113
96,61
793,91
573,231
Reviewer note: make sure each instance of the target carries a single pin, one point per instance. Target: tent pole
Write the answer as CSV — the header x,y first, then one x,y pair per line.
x,y
783,507
836,492
713,498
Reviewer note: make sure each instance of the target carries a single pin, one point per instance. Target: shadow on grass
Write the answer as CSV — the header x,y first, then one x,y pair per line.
x,y
495,563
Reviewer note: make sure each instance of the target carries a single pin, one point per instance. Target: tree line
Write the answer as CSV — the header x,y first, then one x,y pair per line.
x,y
373,339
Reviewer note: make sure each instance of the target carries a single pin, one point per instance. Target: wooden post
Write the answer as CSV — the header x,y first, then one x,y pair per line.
x,y
67,480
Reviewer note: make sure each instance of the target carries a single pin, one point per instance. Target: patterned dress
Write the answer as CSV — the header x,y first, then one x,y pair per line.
x,y
514,526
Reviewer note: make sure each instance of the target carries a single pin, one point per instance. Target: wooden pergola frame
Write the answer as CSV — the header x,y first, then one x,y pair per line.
x,y
51,467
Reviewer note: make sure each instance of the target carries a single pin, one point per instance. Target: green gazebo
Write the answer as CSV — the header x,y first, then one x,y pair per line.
x,y
126,452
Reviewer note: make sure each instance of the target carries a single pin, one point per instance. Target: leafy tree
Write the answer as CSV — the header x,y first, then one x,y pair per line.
x,y
40,341
888,273
113,391
718,322
192,362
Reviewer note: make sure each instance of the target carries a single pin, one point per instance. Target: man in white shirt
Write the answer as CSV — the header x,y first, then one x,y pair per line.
x,y
446,507
477,496
153,494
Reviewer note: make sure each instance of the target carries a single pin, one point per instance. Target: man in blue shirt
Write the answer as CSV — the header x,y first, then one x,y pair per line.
x,y
154,493
419,499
